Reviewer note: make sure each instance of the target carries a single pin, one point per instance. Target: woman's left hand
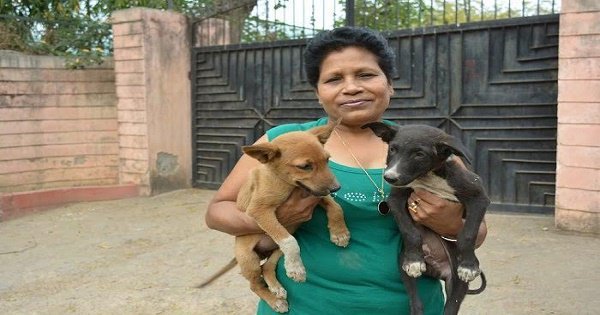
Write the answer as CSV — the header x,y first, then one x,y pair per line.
x,y
442,216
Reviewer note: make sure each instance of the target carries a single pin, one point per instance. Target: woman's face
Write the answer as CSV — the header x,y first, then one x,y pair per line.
x,y
352,86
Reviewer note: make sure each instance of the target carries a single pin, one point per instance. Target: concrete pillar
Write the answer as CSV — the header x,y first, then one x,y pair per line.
x,y
578,148
152,65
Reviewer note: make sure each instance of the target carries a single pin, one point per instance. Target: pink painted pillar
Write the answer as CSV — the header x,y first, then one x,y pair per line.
x,y
578,148
152,64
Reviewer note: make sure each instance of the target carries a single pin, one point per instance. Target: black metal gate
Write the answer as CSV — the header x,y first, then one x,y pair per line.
x,y
492,84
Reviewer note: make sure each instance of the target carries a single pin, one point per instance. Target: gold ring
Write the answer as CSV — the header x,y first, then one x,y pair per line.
x,y
417,201
413,207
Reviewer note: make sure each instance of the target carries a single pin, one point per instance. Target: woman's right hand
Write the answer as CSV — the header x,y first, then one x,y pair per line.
x,y
298,208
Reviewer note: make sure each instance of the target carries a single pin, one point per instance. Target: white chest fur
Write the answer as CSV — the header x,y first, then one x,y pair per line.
x,y
435,185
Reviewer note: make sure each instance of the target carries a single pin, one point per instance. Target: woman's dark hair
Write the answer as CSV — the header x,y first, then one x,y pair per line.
x,y
335,40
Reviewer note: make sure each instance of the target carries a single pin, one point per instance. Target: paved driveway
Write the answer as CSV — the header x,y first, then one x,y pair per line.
x,y
144,255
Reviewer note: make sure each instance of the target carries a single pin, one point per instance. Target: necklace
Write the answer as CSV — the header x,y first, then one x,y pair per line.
x,y
382,207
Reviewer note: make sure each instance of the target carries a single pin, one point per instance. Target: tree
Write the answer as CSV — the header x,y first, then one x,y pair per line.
x,y
64,28
41,26
397,14
388,14
79,28
236,12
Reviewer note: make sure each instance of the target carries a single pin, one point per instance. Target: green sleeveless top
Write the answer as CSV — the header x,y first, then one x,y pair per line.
x,y
362,278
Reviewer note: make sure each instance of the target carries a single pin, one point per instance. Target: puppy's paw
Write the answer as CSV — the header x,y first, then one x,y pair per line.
x,y
414,268
295,272
279,292
341,239
281,306
467,274
298,276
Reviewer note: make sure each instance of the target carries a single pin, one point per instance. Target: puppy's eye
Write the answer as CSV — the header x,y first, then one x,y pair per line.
x,y
305,167
393,150
419,155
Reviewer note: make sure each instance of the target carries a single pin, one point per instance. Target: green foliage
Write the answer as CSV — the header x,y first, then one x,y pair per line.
x,y
75,29
82,41
79,30
387,15
256,30
71,28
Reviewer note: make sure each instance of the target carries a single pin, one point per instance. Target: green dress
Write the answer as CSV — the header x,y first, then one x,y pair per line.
x,y
362,278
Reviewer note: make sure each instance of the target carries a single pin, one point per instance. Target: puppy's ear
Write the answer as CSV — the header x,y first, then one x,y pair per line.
x,y
383,131
263,152
324,132
450,146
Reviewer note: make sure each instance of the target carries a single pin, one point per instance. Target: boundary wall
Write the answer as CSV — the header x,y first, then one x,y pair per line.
x,y
117,130
124,129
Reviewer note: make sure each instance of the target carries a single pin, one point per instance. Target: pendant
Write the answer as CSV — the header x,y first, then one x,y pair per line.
x,y
383,208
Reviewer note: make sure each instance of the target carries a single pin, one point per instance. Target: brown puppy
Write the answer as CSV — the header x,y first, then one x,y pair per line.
x,y
295,160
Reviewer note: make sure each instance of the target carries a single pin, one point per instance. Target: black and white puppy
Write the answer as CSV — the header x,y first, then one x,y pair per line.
x,y
421,156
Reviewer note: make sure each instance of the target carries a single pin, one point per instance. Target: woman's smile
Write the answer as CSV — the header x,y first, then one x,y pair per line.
x,y
355,102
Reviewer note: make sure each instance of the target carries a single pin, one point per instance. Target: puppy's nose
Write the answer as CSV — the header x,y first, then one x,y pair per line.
x,y
334,188
390,178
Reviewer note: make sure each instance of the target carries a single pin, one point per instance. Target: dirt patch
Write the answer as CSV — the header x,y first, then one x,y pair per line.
x,y
145,255
134,256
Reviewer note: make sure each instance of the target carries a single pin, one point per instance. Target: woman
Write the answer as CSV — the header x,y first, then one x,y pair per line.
x,y
351,71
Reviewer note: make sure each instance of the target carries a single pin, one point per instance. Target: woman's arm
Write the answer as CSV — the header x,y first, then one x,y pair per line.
x,y
223,215
442,216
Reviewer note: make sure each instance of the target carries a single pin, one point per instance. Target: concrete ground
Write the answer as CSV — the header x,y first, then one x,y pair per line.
x,y
144,256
